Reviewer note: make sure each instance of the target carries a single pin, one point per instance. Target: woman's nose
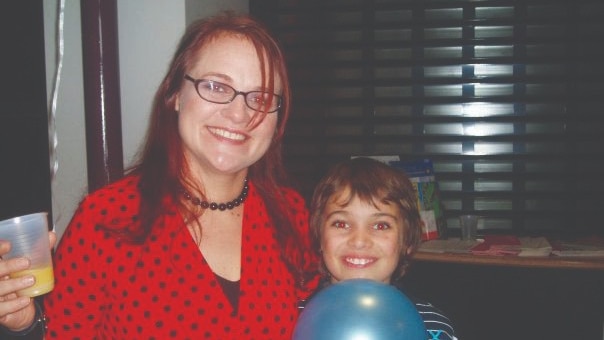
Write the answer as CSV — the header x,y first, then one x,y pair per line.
x,y
237,111
241,114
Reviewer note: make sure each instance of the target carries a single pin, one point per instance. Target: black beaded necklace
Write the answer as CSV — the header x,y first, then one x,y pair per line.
x,y
219,206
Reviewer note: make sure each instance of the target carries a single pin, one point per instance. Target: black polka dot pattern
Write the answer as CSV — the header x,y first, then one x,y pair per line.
x,y
164,289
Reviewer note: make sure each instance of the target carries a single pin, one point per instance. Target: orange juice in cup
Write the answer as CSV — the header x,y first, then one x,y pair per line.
x,y
45,281
28,236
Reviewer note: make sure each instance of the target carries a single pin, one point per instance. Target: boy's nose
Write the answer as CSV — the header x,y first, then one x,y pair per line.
x,y
359,239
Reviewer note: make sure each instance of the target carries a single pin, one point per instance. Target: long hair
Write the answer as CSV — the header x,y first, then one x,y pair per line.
x,y
162,165
371,181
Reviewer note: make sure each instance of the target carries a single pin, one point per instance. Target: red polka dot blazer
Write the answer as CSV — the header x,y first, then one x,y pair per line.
x,y
164,289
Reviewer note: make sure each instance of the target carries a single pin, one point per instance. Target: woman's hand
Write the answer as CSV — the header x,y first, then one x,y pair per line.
x,y
16,312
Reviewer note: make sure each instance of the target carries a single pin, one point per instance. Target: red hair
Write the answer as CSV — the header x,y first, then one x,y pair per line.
x,y
162,166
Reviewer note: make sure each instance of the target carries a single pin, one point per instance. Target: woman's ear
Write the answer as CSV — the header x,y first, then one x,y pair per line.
x,y
177,103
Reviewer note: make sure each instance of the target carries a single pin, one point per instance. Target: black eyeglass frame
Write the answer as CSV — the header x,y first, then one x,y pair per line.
x,y
196,83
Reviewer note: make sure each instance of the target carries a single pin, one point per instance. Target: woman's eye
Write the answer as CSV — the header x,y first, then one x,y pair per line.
x,y
381,226
212,86
259,98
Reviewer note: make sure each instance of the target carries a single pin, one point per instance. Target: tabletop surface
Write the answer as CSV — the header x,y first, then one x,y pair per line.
x,y
537,252
577,262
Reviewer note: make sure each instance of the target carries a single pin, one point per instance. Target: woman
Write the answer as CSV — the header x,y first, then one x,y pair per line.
x,y
201,239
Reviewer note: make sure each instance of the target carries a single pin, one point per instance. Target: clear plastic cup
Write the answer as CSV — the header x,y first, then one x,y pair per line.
x,y
468,225
28,236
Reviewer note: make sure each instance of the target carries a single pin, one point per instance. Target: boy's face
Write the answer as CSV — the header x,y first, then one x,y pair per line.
x,y
360,240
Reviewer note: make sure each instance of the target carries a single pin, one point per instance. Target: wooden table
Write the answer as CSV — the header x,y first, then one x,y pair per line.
x,y
511,297
591,263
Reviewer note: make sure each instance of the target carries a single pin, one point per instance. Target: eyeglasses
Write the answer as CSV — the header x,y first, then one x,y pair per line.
x,y
219,93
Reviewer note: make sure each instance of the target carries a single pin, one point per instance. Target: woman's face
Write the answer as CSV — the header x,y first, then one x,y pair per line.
x,y
219,138
361,241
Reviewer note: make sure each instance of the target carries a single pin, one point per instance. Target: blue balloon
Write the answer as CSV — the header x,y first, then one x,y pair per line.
x,y
360,309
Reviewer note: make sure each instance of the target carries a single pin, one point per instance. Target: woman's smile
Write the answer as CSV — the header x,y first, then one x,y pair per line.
x,y
226,134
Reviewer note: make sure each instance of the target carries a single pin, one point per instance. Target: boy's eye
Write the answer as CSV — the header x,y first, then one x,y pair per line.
x,y
381,226
340,224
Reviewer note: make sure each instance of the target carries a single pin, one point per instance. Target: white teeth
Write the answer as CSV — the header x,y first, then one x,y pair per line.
x,y
358,261
227,134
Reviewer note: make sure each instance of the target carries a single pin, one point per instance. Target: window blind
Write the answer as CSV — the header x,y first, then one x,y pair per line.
x,y
505,97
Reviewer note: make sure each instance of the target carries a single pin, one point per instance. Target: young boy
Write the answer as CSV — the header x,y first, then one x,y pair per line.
x,y
365,223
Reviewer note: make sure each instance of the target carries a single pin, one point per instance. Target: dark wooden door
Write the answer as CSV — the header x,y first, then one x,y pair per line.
x,y
24,157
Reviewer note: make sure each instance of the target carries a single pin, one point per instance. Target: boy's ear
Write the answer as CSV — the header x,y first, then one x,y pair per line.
x,y
409,250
